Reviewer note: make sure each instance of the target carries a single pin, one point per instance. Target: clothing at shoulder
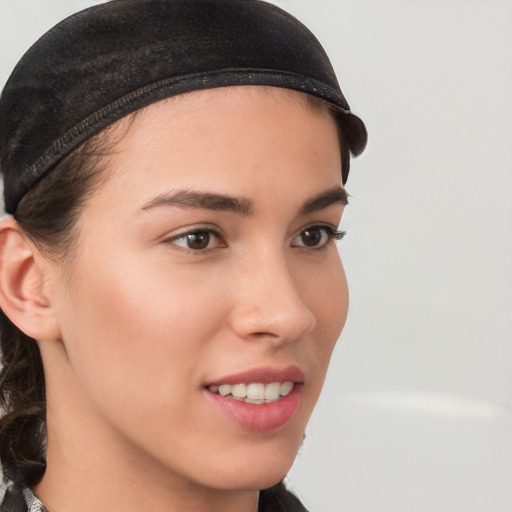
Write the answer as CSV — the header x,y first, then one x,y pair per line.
x,y
20,499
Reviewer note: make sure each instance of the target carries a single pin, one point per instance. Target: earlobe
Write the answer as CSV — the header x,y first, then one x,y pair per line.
x,y
23,296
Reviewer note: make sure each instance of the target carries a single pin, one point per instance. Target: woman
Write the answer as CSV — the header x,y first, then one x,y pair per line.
x,y
174,174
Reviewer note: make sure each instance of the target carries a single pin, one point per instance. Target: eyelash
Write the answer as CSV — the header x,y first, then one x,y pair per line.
x,y
211,233
329,232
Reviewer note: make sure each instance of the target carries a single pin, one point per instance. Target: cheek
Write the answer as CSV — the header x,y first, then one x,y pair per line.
x,y
337,308
326,292
132,323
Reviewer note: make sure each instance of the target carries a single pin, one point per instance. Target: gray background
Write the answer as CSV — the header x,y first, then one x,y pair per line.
x,y
417,411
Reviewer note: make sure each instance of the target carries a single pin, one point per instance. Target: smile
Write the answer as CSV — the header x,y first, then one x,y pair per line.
x,y
254,392
262,399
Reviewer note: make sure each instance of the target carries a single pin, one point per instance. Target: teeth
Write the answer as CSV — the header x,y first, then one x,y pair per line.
x,y
239,390
254,392
286,388
272,391
224,390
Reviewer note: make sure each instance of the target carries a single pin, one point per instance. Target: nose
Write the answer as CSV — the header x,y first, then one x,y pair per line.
x,y
270,304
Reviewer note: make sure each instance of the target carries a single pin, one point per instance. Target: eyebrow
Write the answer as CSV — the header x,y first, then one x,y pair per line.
x,y
241,206
206,200
332,196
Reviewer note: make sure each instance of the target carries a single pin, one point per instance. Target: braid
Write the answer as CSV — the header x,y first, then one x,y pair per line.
x,y
22,397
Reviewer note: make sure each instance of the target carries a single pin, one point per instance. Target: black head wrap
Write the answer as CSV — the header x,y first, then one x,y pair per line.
x,y
107,61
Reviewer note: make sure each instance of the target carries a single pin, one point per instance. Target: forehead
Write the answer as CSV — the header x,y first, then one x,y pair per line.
x,y
227,137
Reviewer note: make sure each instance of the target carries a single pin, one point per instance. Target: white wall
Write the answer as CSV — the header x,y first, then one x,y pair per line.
x,y
417,412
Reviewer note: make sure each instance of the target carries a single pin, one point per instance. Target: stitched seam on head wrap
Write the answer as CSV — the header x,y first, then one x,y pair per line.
x,y
168,87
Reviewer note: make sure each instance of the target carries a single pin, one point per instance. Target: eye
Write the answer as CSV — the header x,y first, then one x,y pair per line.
x,y
316,237
198,240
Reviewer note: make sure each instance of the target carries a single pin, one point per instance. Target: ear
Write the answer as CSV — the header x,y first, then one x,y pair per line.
x,y
23,284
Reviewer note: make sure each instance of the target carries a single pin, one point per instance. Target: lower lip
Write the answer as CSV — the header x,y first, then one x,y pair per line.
x,y
259,417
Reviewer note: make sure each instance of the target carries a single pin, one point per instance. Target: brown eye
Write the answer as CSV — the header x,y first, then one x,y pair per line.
x,y
198,240
316,237
311,237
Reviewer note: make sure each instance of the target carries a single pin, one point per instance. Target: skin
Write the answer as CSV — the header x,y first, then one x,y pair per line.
x,y
141,322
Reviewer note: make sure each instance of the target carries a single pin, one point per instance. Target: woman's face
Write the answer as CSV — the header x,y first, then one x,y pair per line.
x,y
204,267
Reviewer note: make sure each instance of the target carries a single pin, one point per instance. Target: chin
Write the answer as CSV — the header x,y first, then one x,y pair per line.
x,y
253,481
259,467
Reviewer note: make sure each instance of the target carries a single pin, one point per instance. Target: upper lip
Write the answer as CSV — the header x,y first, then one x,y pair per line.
x,y
263,375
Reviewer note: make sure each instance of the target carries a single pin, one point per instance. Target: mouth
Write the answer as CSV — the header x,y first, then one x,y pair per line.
x,y
262,399
255,393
